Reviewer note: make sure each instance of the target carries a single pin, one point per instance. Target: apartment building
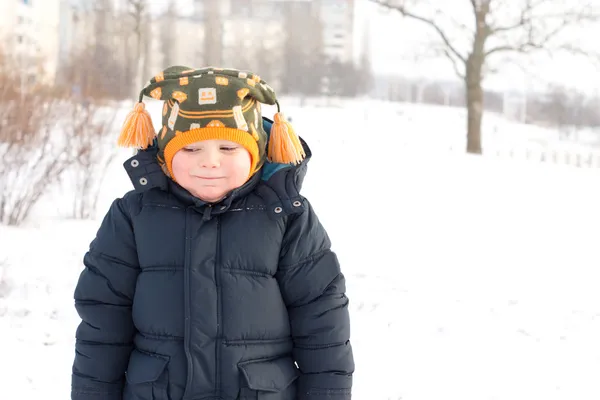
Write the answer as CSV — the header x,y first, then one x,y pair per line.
x,y
263,22
76,25
29,32
244,30
337,17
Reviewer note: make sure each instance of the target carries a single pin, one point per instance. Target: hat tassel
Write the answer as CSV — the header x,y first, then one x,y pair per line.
x,y
284,144
137,130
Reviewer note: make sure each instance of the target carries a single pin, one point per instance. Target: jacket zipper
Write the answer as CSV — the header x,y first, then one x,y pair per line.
x,y
219,304
186,292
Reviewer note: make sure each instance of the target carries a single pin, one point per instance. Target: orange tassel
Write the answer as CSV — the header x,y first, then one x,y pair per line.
x,y
284,144
137,130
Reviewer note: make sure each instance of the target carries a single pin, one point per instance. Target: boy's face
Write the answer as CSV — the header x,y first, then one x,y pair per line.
x,y
211,168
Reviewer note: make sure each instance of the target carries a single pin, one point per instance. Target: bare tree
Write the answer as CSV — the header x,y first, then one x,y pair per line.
x,y
90,126
33,155
138,11
94,80
94,66
47,133
88,123
366,79
497,27
168,35
304,64
213,33
103,17
124,43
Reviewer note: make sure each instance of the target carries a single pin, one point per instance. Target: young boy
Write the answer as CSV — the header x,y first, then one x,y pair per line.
x,y
213,279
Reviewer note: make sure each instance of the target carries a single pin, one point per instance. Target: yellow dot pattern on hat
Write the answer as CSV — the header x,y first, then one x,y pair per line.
x,y
184,81
156,93
165,109
243,92
160,77
179,96
215,123
221,80
163,132
251,82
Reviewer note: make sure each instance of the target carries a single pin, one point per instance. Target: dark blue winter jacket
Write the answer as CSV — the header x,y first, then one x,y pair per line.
x,y
242,299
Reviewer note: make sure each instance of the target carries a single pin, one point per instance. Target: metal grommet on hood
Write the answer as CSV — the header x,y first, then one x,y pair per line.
x,y
278,210
135,163
297,203
143,181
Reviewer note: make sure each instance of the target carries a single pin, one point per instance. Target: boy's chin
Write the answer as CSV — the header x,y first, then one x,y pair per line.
x,y
209,196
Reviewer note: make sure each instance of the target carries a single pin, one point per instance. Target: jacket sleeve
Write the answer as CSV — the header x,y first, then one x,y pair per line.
x,y
313,289
103,299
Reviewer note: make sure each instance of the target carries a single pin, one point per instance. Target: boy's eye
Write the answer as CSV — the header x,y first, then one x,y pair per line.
x,y
228,148
190,149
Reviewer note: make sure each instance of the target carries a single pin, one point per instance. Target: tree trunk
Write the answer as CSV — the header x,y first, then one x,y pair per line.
x,y
139,67
474,103
474,118
213,52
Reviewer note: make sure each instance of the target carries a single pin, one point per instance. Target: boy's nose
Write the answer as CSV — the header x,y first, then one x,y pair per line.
x,y
211,159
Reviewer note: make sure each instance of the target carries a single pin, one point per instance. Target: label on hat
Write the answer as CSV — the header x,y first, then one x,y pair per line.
x,y
173,116
207,96
240,121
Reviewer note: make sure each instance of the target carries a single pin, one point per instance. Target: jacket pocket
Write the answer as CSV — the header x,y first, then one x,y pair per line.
x,y
272,379
147,377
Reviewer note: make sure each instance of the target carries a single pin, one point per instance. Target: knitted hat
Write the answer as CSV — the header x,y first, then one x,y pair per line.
x,y
211,103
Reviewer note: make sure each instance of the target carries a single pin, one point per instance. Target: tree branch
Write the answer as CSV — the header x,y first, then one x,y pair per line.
x,y
461,75
524,18
542,43
528,17
402,10
457,24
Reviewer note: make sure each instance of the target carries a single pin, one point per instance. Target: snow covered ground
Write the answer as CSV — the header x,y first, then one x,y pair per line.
x,y
470,278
